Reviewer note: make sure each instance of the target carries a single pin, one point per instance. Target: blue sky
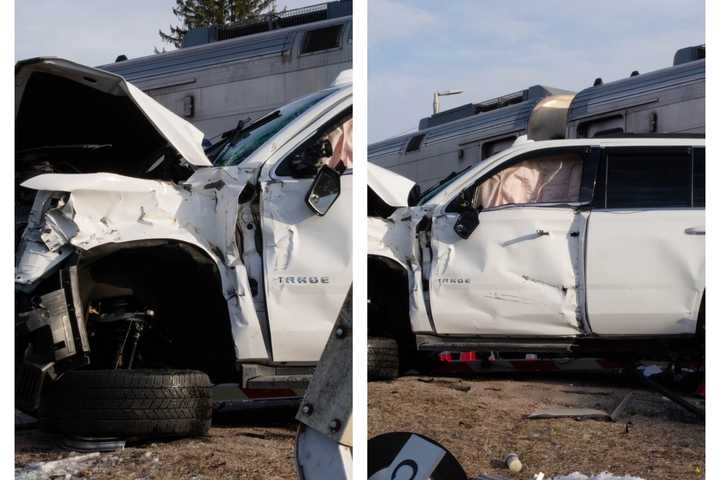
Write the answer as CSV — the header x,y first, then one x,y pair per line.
x,y
94,32
489,48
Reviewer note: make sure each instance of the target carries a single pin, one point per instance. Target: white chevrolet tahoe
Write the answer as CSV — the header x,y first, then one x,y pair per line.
x,y
579,247
141,262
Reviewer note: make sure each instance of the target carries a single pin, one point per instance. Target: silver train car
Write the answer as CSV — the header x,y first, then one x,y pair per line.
x,y
670,100
232,73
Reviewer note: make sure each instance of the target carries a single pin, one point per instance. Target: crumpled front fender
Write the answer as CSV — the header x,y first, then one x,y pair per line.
x,y
104,209
394,238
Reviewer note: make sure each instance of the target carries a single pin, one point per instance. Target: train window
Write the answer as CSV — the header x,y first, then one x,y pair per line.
x,y
321,39
602,127
491,148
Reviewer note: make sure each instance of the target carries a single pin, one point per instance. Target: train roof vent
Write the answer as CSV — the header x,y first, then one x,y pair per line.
x,y
536,92
689,54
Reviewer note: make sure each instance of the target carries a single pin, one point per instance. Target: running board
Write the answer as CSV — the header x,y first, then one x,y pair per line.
x,y
648,347
430,343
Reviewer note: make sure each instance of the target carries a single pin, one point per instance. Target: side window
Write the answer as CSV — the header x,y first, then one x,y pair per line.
x,y
332,146
553,177
648,179
699,178
321,39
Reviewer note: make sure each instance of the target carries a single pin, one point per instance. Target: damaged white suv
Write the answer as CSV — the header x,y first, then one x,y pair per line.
x,y
140,262
573,247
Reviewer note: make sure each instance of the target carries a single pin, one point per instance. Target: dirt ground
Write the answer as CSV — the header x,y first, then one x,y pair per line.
x,y
480,420
239,446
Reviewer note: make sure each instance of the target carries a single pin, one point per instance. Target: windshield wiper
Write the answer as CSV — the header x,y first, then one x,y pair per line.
x,y
254,125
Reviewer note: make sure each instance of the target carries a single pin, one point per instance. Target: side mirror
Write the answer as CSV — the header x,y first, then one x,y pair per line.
x,y
324,191
466,223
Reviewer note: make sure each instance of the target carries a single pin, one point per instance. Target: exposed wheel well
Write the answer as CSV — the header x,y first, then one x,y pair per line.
x,y
181,284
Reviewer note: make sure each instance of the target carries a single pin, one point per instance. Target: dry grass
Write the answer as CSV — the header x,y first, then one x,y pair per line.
x,y
251,446
481,425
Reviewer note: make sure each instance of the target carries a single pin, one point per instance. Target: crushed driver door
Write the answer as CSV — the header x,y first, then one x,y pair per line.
x,y
520,272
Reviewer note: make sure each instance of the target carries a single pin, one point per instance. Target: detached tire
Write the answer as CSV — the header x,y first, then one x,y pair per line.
x,y
128,403
383,358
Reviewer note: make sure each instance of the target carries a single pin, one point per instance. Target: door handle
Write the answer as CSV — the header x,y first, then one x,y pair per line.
x,y
541,233
695,231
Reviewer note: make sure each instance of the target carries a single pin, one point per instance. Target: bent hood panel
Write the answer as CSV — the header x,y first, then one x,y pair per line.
x,y
392,188
58,102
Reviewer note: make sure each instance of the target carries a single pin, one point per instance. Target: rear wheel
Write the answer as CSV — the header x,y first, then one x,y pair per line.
x,y
383,358
128,403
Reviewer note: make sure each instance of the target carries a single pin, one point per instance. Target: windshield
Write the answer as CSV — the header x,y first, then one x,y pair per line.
x,y
261,130
428,194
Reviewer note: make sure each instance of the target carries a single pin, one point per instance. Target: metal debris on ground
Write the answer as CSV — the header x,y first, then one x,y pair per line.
x,y
615,415
577,413
92,444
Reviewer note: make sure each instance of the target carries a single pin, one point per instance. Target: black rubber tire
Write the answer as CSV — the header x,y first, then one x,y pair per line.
x,y
128,403
383,358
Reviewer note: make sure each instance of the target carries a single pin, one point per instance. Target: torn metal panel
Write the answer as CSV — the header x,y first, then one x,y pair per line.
x,y
33,258
577,413
394,239
107,209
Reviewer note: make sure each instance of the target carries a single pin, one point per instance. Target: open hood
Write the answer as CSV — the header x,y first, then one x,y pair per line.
x,y
393,189
62,104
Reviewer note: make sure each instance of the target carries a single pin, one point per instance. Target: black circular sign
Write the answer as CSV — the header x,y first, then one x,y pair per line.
x,y
410,456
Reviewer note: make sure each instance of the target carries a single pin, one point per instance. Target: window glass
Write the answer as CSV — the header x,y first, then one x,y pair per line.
x,y
659,179
340,138
253,136
322,39
699,178
331,147
550,178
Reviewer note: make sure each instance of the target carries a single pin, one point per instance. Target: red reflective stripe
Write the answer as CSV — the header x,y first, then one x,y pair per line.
x,y
445,357
468,356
